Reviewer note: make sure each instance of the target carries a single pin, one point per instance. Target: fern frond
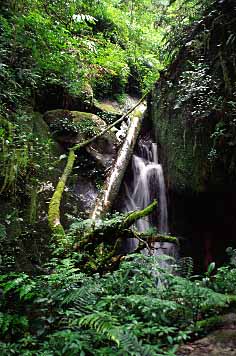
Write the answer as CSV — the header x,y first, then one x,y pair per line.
x,y
83,294
130,345
185,267
104,323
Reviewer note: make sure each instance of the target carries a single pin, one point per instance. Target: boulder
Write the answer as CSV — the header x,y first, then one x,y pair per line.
x,y
72,127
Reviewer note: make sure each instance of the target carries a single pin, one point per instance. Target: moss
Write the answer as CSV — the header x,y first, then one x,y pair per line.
x,y
137,113
32,210
208,324
55,202
87,124
135,215
54,115
182,150
109,108
6,126
77,116
73,126
190,100
14,160
40,128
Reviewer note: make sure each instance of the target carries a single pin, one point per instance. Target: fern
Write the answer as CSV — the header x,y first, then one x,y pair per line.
x,y
20,283
80,299
104,323
185,267
132,346
84,294
123,313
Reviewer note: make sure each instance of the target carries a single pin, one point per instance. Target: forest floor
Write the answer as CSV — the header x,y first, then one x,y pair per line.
x,y
220,342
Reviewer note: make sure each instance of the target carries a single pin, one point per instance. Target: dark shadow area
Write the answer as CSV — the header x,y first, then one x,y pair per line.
x,y
206,222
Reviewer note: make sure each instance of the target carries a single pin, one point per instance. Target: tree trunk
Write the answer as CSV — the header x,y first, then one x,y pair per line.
x,y
112,185
55,202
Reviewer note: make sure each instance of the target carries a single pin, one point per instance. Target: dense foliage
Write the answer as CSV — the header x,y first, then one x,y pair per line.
x,y
63,55
103,44
141,309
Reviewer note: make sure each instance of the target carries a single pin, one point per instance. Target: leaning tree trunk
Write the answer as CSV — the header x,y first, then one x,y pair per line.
x,y
112,185
55,202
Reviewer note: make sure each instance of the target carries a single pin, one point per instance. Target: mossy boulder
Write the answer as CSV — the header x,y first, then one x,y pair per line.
x,y
72,127
108,110
24,202
106,106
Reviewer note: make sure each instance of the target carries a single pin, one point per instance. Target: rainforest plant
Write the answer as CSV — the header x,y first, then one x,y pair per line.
x,y
67,312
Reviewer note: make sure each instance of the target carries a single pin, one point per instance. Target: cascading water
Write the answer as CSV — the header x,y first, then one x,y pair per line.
x,y
148,184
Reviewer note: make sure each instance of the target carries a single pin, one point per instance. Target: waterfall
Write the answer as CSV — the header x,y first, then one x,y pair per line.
x,y
147,184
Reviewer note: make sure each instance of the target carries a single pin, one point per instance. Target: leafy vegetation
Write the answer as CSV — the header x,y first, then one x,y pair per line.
x,y
139,309
88,298
104,44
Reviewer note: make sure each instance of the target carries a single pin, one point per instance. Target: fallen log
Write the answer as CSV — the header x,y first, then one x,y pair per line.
x,y
55,202
110,230
106,199
114,228
103,240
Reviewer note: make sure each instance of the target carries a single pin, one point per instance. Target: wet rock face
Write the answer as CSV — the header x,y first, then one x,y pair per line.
x,y
93,162
86,193
192,107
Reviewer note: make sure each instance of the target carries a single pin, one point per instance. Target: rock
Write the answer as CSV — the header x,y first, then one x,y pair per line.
x,y
221,342
24,208
83,100
108,106
72,127
86,193
188,109
108,110
87,94
193,130
218,343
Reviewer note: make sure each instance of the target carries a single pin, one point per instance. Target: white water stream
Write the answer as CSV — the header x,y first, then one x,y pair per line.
x,y
148,183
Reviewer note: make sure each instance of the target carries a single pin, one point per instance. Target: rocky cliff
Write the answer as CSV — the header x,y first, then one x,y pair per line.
x,y
193,110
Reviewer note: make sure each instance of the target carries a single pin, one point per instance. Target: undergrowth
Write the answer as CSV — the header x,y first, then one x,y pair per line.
x,y
140,309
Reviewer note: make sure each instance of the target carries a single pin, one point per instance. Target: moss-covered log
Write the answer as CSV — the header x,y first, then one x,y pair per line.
x,y
55,202
135,215
100,243
114,228
110,230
